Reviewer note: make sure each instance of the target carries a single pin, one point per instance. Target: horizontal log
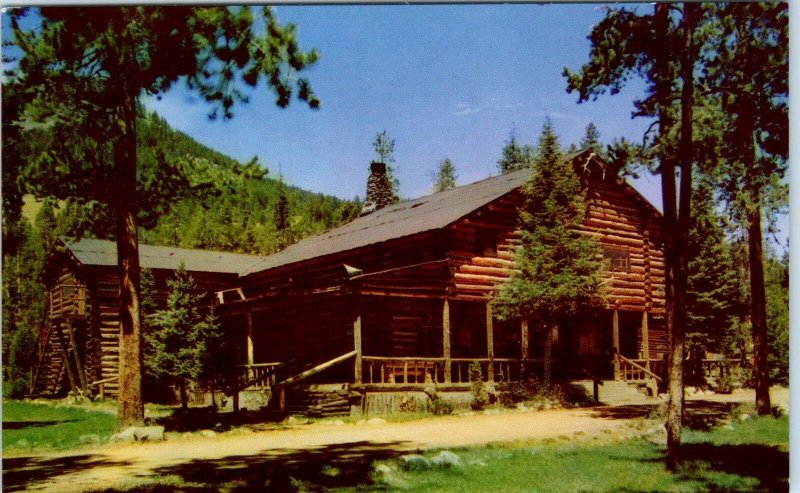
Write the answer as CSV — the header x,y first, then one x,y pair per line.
x,y
463,277
603,222
474,287
617,292
620,284
492,262
470,297
485,270
399,294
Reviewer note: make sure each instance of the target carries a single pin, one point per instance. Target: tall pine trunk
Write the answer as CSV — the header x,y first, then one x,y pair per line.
x,y
758,308
131,408
547,370
184,394
675,407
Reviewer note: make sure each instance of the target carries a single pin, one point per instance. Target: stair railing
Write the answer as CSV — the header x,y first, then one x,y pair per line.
x,y
281,386
630,368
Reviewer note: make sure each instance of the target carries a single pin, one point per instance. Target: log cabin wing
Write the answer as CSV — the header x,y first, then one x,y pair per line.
x,y
78,343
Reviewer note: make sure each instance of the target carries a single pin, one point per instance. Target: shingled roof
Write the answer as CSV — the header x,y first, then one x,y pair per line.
x,y
104,253
427,213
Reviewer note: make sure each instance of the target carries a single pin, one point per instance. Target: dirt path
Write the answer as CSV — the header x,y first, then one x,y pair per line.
x,y
115,466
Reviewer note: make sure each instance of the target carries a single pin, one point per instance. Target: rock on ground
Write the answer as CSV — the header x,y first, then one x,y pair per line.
x,y
446,459
415,462
139,433
149,433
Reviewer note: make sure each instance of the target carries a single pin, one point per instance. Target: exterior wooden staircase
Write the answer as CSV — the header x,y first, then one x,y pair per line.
x,y
311,400
59,368
50,372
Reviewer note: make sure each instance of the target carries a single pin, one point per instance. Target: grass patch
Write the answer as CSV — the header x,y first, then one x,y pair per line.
x,y
751,457
29,425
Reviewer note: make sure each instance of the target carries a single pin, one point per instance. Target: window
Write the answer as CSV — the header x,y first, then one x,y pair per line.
x,y
619,258
486,242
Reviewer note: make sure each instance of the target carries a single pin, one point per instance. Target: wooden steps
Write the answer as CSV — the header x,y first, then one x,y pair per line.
x,y
615,392
318,401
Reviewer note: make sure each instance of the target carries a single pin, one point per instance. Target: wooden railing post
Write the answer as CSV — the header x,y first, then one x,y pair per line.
x,y
490,341
645,340
357,343
615,343
250,347
446,340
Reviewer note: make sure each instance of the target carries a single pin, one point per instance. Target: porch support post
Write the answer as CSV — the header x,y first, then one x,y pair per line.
x,y
523,329
615,342
446,341
490,341
645,340
357,342
250,352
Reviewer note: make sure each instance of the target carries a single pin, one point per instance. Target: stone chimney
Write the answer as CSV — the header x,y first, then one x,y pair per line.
x,y
379,189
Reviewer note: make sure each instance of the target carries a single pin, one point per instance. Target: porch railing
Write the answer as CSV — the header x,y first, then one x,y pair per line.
x,y
68,299
720,368
258,376
421,370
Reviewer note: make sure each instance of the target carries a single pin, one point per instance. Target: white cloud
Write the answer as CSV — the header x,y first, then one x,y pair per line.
x,y
463,109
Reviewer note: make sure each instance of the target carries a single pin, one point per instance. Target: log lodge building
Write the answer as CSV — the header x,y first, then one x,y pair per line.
x,y
388,303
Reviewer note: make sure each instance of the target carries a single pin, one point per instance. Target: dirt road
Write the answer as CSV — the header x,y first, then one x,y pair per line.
x,y
117,466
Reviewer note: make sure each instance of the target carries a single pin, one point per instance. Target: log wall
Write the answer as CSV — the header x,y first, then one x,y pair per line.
x,y
615,216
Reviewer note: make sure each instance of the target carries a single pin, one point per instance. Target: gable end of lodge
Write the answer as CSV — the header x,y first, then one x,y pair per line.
x,y
392,301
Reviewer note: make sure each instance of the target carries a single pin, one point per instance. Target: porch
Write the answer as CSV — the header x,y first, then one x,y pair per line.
x,y
392,344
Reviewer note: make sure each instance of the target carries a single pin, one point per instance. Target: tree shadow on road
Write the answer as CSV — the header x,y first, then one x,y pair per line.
x,y
313,469
699,415
20,472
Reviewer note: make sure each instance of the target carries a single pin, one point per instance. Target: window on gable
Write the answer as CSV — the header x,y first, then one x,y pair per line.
x,y
618,257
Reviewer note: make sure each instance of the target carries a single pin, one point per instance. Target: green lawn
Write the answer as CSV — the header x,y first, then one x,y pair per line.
x,y
29,426
753,456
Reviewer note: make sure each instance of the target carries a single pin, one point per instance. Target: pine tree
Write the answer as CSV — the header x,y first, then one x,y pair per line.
x,y
180,335
445,177
591,140
712,292
663,48
515,155
84,69
559,274
749,70
777,301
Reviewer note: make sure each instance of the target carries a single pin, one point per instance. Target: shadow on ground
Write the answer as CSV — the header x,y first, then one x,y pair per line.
x,y
20,472
700,415
768,465
194,419
315,469
18,425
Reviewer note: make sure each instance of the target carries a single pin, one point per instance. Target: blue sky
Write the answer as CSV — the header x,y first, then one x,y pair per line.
x,y
442,80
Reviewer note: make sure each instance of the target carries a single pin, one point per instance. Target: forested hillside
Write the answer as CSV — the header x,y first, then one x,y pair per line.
x,y
258,214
